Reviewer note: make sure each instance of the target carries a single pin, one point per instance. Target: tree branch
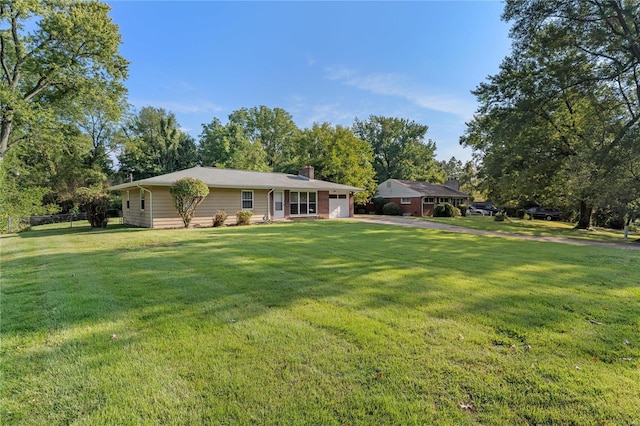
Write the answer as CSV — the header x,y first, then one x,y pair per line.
x,y
5,68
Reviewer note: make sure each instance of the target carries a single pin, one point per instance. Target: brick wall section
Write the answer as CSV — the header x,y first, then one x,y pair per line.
x,y
352,207
414,209
322,201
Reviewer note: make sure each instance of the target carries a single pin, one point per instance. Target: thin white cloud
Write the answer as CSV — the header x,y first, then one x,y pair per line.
x,y
306,114
397,85
310,61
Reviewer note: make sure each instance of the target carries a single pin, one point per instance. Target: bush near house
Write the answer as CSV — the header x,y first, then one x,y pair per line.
x,y
391,209
243,217
95,201
446,210
219,218
378,204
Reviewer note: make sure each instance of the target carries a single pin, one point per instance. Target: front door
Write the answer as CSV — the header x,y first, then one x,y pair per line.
x,y
278,205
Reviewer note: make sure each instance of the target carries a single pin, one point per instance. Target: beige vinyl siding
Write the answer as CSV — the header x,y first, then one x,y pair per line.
x,y
165,214
164,209
230,201
134,215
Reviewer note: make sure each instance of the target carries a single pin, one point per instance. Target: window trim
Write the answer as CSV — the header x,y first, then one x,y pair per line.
x,y
429,200
141,199
308,203
128,200
242,199
405,200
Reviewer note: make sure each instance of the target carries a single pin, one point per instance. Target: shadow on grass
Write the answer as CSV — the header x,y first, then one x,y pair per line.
x,y
86,301
220,275
48,231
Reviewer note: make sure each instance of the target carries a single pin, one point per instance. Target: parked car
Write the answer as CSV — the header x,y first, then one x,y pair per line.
x,y
546,213
473,211
487,209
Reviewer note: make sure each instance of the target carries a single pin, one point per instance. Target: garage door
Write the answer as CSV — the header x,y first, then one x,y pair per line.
x,y
338,205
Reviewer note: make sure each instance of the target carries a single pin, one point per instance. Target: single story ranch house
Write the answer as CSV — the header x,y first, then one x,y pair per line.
x,y
420,198
270,196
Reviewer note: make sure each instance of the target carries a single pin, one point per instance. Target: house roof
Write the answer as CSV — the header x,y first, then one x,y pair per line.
x,y
424,189
242,179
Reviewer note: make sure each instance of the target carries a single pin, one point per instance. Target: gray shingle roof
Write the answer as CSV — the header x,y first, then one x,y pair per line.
x,y
431,189
229,178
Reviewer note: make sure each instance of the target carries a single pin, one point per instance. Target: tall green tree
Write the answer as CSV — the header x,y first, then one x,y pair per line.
x,y
273,129
557,123
153,144
49,52
229,146
98,116
466,174
337,155
399,148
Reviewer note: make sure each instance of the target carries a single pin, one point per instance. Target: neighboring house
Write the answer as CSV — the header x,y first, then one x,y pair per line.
x,y
420,198
270,196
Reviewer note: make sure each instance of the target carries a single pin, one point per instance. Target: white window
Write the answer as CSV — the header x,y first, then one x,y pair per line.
x,y
247,200
141,199
302,203
128,201
429,200
445,200
405,200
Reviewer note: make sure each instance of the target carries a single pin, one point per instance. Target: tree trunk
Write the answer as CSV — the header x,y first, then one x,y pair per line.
x,y
584,221
5,132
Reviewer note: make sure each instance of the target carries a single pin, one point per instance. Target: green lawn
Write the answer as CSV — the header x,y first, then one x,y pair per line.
x,y
320,322
538,227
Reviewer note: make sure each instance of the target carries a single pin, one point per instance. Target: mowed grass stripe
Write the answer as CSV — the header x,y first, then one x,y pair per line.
x,y
315,323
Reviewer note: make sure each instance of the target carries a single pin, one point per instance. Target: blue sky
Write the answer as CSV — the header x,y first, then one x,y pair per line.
x,y
320,61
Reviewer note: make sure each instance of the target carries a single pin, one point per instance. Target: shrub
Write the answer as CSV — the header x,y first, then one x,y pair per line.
x,y
446,210
243,217
500,217
378,204
219,218
95,201
187,193
391,209
463,209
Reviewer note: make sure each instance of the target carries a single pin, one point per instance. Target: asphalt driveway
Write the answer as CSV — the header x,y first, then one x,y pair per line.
x,y
413,223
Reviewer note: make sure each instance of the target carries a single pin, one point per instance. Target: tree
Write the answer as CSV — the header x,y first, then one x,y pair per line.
x,y
228,146
337,155
187,194
95,202
399,149
17,201
466,174
273,129
557,122
98,116
153,144
72,48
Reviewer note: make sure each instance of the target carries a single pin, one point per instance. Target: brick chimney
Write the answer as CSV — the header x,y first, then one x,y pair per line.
x,y
307,171
453,183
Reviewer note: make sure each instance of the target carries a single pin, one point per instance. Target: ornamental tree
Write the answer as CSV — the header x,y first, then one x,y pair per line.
x,y
187,194
95,201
